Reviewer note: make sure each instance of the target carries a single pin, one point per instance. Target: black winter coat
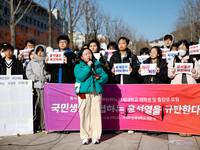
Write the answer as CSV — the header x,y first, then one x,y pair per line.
x,y
17,68
67,70
159,78
134,63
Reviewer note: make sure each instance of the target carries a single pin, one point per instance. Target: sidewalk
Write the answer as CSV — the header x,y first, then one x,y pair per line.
x,y
109,141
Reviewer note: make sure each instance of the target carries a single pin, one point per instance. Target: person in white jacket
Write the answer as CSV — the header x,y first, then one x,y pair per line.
x,y
35,71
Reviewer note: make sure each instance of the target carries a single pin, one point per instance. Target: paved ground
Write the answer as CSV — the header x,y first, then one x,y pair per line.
x,y
109,141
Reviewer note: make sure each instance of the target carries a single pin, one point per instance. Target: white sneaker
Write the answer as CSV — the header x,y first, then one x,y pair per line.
x,y
95,141
85,142
117,132
130,131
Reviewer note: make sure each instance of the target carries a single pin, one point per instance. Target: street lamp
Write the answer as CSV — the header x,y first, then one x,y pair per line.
x,y
107,29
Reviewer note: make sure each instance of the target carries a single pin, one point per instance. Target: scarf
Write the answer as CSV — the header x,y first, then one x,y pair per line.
x,y
60,67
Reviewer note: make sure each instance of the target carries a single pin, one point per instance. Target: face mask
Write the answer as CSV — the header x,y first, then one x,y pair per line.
x,y
181,52
3,55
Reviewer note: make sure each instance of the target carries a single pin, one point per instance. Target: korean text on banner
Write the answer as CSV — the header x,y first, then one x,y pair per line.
x,y
25,53
170,55
164,52
148,69
55,58
154,107
194,49
122,68
183,68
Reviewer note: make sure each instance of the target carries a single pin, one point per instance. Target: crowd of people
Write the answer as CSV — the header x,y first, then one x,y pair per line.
x,y
81,68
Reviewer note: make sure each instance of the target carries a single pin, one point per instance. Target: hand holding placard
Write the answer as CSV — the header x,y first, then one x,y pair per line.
x,y
148,69
122,68
56,58
184,68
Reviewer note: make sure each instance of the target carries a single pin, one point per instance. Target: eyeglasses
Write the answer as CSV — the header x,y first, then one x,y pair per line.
x,y
62,42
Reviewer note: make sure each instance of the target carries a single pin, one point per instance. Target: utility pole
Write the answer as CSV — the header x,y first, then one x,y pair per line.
x,y
64,16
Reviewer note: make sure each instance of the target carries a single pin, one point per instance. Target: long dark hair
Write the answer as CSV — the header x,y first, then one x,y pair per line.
x,y
30,54
158,51
78,58
97,43
185,42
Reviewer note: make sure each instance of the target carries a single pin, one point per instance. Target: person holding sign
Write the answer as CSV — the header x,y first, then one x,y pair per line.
x,y
35,72
89,79
63,72
95,48
183,57
160,76
9,65
124,55
183,78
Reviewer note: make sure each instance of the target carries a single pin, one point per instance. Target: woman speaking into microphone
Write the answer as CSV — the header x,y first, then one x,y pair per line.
x,y
89,79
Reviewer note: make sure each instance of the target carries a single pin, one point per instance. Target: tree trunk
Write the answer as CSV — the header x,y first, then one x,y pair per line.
x,y
87,22
71,36
12,24
50,25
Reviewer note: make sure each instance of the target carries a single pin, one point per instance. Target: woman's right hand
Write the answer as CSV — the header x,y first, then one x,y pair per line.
x,y
173,70
90,63
113,70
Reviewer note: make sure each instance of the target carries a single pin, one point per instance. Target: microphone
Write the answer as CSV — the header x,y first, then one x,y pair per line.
x,y
92,67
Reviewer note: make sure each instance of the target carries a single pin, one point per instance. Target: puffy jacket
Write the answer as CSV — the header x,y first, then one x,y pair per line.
x,y
134,63
84,78
159,78
177,78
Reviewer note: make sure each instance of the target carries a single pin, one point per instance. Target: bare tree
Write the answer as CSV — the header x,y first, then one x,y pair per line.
x,y
16,6
96,20
187,25
73,14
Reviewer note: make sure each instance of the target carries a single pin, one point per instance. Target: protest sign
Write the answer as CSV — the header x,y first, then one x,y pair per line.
x,y
164,51
56,50
183,68
122,68
25,53
152,107
148,69
96,55
55,58
109,54
170,55
10,77
15,53
142,58
194,49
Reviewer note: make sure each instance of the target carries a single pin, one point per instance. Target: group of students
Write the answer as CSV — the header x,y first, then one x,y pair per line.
x,y
88,74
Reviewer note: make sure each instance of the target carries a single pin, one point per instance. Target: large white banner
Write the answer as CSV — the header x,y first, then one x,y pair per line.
x,y
16,108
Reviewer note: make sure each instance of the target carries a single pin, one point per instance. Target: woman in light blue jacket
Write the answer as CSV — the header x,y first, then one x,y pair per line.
x,y
89,79
35,72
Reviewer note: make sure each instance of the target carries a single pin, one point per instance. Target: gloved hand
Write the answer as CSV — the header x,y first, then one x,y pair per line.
x,y
41,79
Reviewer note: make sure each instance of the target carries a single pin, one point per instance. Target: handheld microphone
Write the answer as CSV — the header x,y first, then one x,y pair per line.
x,y
92,67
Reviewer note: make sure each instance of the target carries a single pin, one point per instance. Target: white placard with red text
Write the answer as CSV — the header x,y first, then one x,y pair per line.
x,y
55,58
25,53
194,49
148,69
183,68
164,52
